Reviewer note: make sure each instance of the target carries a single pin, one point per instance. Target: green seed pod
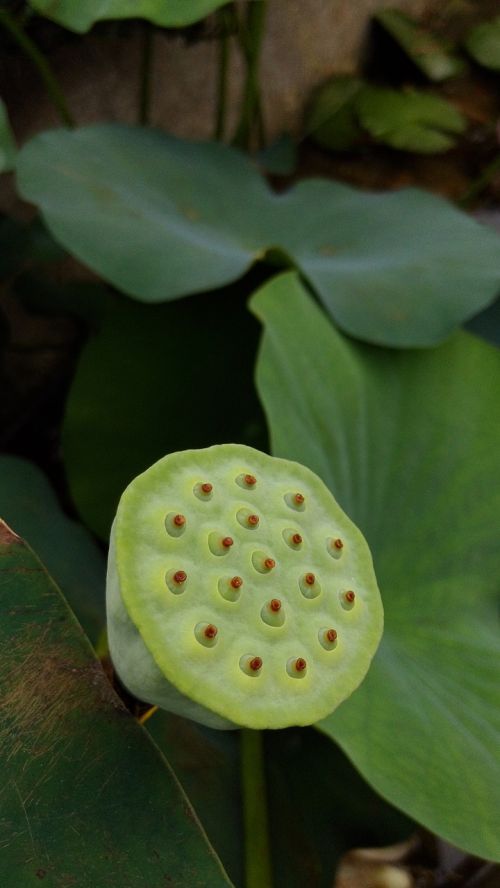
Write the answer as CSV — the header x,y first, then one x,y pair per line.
x,y
239,593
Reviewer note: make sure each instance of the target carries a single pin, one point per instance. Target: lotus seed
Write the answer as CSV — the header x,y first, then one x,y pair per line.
x,y
328,638
309,586
251,665
206,634
296,667
171,606
180,576
273,613
230,588
247,518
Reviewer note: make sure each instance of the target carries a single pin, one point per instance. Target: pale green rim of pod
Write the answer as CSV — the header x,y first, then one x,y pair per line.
x,y
239,593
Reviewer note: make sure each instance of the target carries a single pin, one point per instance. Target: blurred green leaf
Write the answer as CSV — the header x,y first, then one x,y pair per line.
x,y
8,148
409,443
409,120
331,120
28,503
431,55
483,44
80,15
279,158
152,380
160,218
86,798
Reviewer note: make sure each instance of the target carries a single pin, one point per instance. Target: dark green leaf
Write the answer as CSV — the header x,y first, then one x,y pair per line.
x,y
409,443
409,120
156,379
28,503
86,799
483,44
80,15
425,50
161,218
331,120
7,142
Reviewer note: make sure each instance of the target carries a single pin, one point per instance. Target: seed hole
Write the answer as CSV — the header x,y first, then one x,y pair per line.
x,y
251,665
273,613
335,547
230,588
310,585
175,524
248,519
296,667
219,544
328,638
347,599
292,538
296,501
206,634
176,581
246,481
263,562
203,490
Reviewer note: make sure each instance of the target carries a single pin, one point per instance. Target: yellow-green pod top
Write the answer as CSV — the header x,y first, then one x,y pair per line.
x,y
239,592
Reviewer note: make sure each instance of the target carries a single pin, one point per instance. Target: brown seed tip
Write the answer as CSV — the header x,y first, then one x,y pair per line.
x,y
206,487
331,635
310,579
250,480
269,563
180,576
179,520
350,596
338,544
296,539
275,604
255,664
236,582
300,664
227,542
253,520
210,631
299,498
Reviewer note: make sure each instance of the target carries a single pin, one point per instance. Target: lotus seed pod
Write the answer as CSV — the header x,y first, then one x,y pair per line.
x,y
239,593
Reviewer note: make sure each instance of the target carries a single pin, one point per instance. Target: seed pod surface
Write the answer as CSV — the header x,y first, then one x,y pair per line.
x,y
193,646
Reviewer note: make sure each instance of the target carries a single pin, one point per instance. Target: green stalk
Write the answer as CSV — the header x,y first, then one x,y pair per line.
x,y
146,71
251,35
257,849
31,50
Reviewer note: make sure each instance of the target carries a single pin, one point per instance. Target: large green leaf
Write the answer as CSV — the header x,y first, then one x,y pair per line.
x,y
28,503
160,218
80,15
86,799
409,443
152,380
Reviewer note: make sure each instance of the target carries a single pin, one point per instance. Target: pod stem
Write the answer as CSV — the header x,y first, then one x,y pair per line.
x,y
255,815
